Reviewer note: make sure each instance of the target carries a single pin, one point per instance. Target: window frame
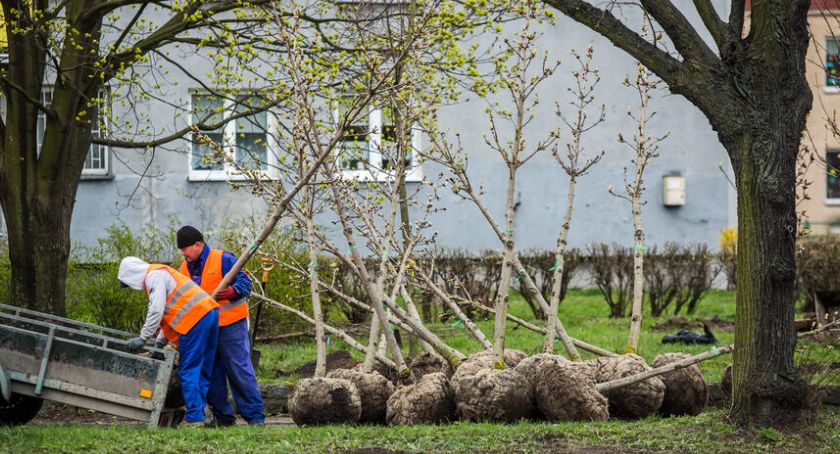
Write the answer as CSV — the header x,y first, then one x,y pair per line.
x,y
87,172
414,173
826,88
228,172
831,200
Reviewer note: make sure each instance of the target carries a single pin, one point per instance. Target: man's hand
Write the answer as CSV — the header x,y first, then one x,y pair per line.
x,y
134,345
161,343
227,293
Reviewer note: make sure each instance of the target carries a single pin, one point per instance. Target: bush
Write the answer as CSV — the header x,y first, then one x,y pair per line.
x,y
816,263
285,284
681,275
92,291
612,273
540,266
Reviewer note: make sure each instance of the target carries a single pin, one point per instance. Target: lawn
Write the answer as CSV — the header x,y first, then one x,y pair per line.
x,y
584,314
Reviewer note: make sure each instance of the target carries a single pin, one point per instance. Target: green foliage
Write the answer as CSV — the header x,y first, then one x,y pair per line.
x,y
283,284
93,293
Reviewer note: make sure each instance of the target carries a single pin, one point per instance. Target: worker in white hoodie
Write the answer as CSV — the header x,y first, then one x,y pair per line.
x,y
185,315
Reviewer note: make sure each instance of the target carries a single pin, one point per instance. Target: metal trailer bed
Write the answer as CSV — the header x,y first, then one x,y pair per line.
x,y
54,358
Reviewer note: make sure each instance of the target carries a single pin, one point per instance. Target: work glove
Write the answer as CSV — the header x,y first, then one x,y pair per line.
x,y
160,343
227,293
135,344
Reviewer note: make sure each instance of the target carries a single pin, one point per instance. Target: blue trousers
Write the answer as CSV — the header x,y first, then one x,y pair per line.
x,y
197,351
233,365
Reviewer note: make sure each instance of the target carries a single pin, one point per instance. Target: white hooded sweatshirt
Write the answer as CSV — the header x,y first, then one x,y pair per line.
x,y
134,273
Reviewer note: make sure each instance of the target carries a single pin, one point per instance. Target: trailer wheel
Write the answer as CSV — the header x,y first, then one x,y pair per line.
x,y
19,410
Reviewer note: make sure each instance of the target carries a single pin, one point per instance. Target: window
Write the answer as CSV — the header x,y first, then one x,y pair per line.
x,y
832,62
368,149
832,175
96,162
244,139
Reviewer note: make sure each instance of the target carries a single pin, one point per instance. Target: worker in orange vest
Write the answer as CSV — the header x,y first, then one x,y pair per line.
x,y
184,314
206,267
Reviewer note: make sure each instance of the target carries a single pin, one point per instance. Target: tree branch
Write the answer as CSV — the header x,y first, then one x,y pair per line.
x,y
671,70
711,20
736,18
684,36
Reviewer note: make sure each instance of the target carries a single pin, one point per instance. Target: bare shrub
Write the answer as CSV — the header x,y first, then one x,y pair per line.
x,y
612,273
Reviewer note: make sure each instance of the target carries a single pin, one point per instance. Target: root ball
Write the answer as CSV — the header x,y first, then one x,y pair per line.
x,y
486,394
374,391
685,389
512,357
429,363
318,401
633,401
428,401
561,391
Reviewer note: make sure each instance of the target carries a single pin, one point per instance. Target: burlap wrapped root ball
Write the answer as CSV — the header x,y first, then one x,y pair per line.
x,y
632,401
486,394
374,391
512,357
686,392
428,401
429,363
561,391
726,381
317,401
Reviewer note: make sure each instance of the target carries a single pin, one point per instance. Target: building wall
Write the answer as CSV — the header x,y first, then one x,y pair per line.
x,y
692,149
821,211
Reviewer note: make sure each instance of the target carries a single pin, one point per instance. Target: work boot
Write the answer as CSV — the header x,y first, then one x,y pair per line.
x,y
191,425
216,423
258,423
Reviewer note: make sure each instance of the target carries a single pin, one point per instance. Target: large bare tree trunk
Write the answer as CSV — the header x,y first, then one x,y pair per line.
x,y
765,383
752,88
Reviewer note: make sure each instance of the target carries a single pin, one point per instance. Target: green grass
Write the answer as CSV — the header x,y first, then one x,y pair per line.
x,y
584,315
705,433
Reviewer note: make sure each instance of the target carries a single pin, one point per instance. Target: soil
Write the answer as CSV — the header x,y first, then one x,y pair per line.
x,y
339,359
676,324
54,413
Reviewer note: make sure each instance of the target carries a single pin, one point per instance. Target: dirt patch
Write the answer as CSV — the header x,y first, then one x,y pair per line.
x,y
684,324
817,368
54,413
339,359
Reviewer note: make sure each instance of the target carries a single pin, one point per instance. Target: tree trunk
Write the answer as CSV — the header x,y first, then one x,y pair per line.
x,y
765,384
39,248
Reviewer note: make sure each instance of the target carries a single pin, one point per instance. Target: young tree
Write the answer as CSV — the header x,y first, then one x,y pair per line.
x,y
644,147
586,78
752,88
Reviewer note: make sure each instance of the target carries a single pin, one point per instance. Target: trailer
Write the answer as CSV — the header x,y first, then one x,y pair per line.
x,y
47,357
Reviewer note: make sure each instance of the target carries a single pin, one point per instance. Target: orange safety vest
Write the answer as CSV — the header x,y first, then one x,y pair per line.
x,y
211,276
184,306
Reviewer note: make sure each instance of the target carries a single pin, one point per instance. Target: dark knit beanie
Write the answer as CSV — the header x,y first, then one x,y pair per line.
x,y
187,236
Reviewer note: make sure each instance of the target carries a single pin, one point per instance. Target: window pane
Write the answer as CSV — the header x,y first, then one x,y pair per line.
x,y
832,62
354,146
832,170
203,154
207,109
389,141
96,160
251,134
41,127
